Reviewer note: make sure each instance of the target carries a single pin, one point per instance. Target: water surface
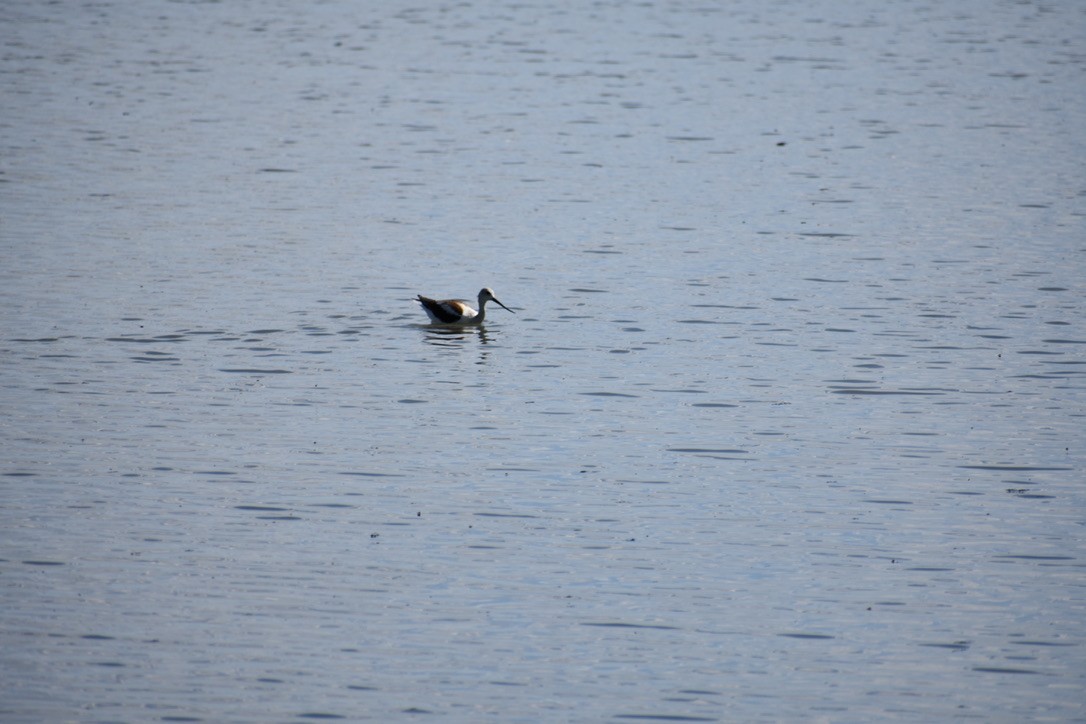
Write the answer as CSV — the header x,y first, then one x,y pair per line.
x,y
787,426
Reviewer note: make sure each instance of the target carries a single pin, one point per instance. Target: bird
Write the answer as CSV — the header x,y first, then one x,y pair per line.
x,y
457,311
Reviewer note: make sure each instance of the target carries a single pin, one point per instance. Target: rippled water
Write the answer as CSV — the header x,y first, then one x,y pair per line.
x,y
787,426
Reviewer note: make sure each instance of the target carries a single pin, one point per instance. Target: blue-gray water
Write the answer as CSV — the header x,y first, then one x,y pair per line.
x,y
788,424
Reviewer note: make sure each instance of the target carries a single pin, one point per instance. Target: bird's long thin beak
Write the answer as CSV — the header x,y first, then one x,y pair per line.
x,y
502,305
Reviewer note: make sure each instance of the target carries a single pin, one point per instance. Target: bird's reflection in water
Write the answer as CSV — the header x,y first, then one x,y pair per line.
x,y
458,338
442,336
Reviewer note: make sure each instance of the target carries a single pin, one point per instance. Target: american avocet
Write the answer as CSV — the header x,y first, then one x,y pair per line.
x,y
457,311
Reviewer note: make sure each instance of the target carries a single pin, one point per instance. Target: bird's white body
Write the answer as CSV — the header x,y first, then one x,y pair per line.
x,y
458,311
